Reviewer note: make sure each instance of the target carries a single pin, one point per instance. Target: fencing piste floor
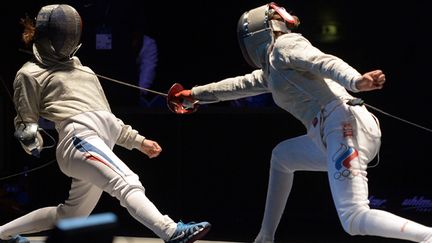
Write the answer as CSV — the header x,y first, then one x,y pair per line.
x,y
121,239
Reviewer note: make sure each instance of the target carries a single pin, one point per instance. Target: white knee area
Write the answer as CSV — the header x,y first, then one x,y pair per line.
x,y
67,211
278,161
121,186
353,219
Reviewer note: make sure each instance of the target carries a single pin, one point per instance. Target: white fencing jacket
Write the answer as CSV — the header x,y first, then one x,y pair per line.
x,y
60,92
301,78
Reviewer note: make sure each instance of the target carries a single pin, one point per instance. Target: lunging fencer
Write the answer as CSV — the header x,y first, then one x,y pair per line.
x,y
342,135
52,85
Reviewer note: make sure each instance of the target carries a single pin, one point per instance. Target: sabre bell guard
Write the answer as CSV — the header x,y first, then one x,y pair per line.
x,y
180,105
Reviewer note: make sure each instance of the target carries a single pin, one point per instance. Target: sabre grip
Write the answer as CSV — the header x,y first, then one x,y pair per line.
x,y
30,138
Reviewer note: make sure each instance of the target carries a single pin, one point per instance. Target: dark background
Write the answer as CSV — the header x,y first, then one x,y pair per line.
x,y
215,162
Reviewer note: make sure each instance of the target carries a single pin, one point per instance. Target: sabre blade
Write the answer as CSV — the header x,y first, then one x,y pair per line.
x,y
100,76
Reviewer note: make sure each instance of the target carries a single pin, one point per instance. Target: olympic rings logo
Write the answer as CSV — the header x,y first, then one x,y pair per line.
x,y
345,174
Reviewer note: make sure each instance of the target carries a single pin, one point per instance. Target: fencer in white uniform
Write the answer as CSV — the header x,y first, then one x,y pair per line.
x,y
56,86
342,135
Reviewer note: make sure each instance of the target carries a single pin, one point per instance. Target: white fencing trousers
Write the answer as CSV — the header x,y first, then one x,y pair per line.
x,y
342,141
86,156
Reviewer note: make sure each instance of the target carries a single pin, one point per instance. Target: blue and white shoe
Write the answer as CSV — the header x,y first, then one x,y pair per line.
x,y
190,232
16,239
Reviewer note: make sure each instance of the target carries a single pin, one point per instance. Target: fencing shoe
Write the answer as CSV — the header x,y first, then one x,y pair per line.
x,y
190,232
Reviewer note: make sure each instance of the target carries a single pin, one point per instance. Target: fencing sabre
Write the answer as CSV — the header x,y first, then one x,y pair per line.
x,y
183,106
176,105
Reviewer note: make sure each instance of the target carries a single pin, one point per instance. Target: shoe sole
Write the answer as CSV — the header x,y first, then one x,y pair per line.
x,y
199,234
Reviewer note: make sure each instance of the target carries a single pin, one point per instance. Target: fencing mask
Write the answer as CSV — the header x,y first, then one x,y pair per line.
x,y
255,31
58,33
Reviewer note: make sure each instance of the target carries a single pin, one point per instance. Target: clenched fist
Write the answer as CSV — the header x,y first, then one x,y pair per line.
x,y
371,80
150,148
